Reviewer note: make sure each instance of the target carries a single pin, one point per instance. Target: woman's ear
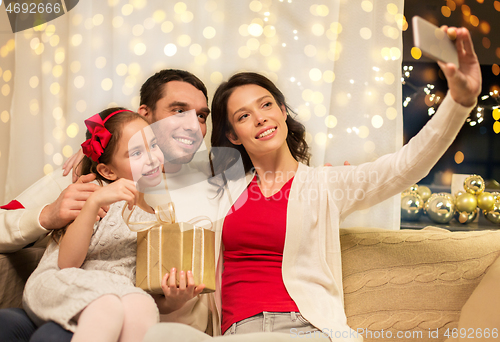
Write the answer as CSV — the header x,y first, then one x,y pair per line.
x,y
283,110
107,172
233,138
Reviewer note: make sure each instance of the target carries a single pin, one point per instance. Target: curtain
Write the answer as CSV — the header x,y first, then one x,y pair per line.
x,y
338,62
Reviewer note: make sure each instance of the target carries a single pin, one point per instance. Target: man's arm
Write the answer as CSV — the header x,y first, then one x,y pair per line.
x,y
50,203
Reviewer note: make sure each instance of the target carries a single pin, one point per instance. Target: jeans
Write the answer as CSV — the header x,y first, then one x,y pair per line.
x,y
291,323
264,327
16,326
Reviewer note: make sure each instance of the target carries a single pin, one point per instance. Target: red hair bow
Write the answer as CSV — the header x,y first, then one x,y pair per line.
x,y
94,147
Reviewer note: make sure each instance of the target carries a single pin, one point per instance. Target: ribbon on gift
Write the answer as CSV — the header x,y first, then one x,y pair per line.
x,y
166,216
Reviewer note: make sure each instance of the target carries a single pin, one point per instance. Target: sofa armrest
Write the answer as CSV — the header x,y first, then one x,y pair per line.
x,y
15,268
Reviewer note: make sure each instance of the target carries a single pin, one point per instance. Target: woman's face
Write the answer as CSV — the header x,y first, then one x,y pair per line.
x,y
138,156
259,123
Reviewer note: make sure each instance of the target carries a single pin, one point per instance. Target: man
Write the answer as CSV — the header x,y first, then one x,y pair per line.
x,y
44,207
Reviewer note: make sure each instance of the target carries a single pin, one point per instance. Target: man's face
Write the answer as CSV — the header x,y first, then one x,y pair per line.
x,y
179,121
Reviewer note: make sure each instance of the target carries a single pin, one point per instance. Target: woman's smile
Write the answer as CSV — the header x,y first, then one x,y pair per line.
x,y
266,133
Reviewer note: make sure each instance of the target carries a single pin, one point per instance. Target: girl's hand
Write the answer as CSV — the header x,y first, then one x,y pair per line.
x,y
120,190
176,296
464,82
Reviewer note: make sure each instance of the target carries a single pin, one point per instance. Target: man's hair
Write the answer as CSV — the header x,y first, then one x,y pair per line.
x,y
152,89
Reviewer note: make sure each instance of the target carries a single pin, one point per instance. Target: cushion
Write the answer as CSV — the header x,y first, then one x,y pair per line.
x,y
15,269
411,282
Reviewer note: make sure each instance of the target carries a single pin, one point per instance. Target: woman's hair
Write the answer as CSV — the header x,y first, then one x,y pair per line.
x,y
221,125
114,125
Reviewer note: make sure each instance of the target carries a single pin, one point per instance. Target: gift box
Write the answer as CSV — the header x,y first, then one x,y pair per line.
x,y
165,244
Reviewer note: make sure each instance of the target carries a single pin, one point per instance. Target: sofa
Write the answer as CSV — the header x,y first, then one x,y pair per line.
x,y
406,285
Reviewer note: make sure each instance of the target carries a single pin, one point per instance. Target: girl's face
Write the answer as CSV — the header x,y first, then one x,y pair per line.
x,y
259,123
137,156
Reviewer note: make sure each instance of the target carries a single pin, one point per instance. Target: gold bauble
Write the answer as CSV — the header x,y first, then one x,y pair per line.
x,y
466,217
466,202
496,195
485,201
474,184
440,207
424,192
459,192
414,187
493,215
412,206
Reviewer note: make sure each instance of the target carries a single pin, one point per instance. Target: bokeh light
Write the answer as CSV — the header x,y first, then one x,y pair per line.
x,y
331,121
67,151
377,121
391,113
72,130
315,74
34,82
48,148
170,49
209,32
363,132
446,11
369,147
416,53
365,33
459,157
367,5
5,116
389,99
320,139
167,26
48,169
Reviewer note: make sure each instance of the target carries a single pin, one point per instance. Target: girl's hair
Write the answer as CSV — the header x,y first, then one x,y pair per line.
x,y
221,161
114,125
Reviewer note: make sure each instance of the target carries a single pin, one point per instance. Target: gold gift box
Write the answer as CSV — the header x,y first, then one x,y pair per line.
x,y
181,245
164,244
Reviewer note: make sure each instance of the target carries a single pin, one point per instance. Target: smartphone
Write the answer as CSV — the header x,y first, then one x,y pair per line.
x,y
433,42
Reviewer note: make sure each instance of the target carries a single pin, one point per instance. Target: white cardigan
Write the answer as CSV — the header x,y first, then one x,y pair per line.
x,y
321,198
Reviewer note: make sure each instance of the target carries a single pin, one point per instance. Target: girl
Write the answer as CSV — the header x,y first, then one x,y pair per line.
x,y
85,280
279,267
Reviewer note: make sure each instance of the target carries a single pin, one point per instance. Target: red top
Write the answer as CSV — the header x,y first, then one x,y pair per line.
x,y
254,237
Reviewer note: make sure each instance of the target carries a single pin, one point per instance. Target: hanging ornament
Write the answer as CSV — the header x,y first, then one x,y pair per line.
x,y
440,207
493,215
411,206
474,184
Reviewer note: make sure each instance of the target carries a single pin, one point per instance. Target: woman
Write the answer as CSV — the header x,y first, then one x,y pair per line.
x,y
279,266
250,113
